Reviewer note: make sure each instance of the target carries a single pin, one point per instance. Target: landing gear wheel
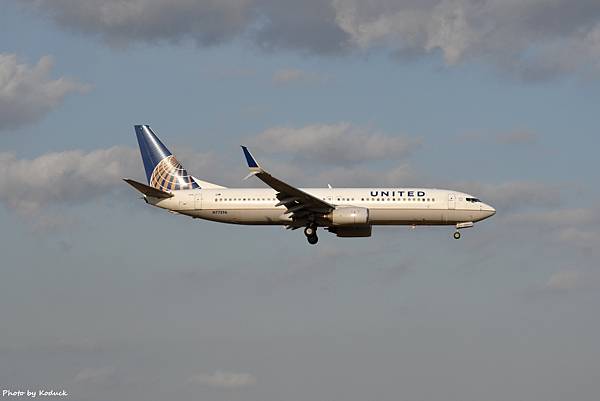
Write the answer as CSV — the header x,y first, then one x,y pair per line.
x,y
457,235
312,239
310,231
311,234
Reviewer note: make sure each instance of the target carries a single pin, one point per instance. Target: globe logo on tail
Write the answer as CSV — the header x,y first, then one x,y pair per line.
x,y
163,171
169,175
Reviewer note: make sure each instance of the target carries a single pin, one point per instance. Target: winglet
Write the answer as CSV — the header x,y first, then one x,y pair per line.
x,y
252,164
251,174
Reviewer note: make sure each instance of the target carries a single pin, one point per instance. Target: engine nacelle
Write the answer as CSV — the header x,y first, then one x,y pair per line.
x,y
357,231
349,216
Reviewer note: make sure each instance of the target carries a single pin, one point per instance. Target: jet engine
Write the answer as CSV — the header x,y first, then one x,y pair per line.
x,y
349,216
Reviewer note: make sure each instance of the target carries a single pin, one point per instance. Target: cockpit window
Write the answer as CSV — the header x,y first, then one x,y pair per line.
x,y
472,200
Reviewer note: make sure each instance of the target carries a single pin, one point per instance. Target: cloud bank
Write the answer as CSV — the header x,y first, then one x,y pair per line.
x,y
529,39
74,177
340,143
69,177
28,93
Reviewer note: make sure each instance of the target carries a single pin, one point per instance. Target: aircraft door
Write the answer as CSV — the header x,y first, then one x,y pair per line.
x,y
186,202
198,201
452,201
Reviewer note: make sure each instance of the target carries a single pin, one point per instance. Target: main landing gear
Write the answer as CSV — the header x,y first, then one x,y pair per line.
x,y
457,235
311,234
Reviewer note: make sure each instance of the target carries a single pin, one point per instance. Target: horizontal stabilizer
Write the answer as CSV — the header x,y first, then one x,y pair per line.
x,y
147,190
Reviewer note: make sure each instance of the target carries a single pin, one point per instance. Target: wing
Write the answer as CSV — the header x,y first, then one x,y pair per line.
x,y
302,206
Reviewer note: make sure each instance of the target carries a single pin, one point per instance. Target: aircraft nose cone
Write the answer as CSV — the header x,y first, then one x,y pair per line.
x,y
490,211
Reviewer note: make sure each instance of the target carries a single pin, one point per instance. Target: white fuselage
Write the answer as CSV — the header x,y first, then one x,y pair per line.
x,y
387,206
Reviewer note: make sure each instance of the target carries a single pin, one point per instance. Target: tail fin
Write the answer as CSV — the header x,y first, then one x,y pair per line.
x,y
163,171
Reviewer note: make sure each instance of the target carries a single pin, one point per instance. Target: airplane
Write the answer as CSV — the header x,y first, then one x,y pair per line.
x,y
346,212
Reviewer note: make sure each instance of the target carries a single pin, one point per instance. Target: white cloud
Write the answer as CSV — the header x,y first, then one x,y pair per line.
x,y
401,175
224,380
530,39
28,93
208,21
269,23
75,176
527,38
63,177
340,143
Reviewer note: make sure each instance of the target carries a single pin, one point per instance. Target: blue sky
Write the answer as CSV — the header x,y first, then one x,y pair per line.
x,y
110,299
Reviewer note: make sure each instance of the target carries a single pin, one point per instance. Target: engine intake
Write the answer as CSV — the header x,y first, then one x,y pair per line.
x,y
349,216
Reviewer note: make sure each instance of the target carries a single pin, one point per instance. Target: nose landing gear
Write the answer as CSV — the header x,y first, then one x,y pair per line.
x,y
311,234
467,224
